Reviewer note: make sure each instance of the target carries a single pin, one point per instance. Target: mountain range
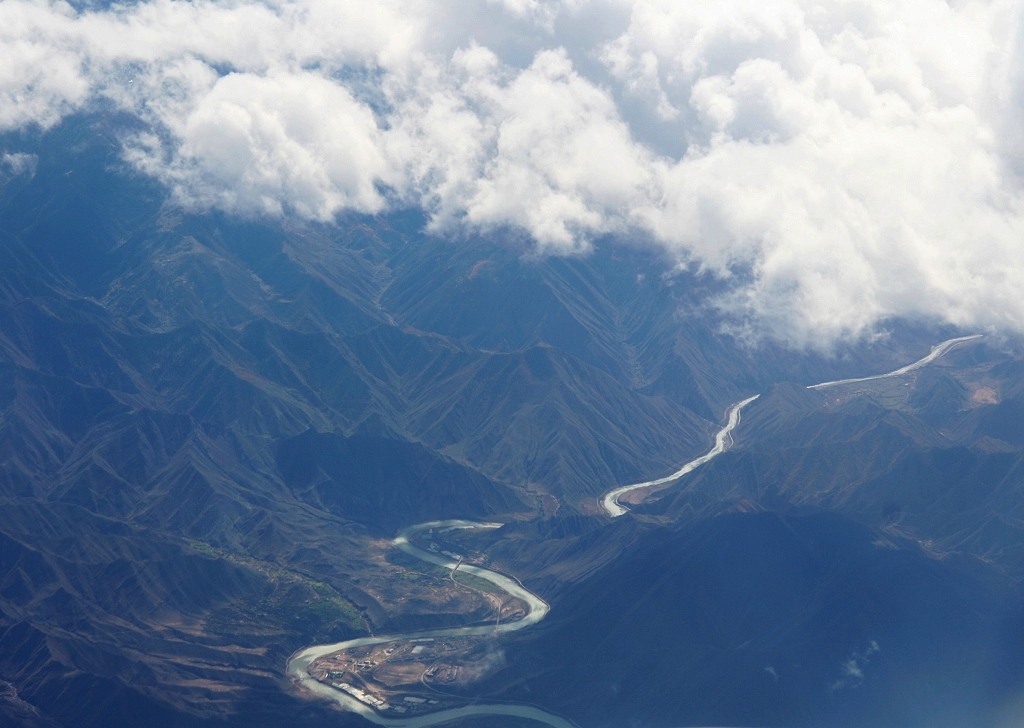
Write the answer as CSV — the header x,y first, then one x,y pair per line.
x,y
211,427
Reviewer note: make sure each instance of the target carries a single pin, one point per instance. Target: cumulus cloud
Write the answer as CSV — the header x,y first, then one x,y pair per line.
x,y
270,144
839,163
541,148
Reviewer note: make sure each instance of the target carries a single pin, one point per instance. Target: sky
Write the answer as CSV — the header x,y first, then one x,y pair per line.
x,y
837,164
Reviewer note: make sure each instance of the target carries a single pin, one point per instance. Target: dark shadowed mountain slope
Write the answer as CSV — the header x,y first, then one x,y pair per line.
x,y
782,620
207,426
210,427
935,457
409,481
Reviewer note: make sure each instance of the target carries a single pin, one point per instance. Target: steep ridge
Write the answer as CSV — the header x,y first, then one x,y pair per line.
x,y
156,366
813,591
724,438
154,369
781,556
410,481
922,458
761,618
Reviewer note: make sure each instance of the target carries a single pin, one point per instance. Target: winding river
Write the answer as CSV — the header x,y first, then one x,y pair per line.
x,y
937,351
723,441
537,609
299,663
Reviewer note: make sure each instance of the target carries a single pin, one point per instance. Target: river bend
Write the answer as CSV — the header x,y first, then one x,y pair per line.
x,y
299,663
537,607
723,441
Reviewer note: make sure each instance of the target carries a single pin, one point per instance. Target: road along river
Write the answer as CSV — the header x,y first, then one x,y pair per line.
x,y
299,663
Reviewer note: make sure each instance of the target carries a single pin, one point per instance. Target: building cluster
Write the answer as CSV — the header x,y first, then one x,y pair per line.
x,y
375,702
363,696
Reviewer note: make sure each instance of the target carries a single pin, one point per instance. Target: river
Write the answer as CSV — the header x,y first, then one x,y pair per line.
x,y
537,610
723,441
537,607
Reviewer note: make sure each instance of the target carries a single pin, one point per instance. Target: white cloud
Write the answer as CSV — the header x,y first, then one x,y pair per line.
x,y
19,163
844,161
852,669
270,144
41,77
541,12
540,148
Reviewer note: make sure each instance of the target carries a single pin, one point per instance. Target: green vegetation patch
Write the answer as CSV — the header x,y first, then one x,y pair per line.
x,y
292,602
475,582
415,567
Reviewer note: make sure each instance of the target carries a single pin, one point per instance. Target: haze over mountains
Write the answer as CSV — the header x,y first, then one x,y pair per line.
x,y
834,165
210,426
865,539
278,279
